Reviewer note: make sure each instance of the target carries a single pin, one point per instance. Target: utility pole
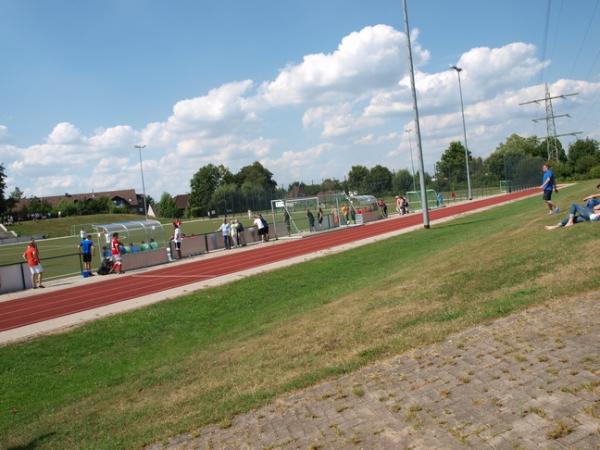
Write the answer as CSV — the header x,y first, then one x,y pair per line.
x,y
140,147
462,110
551,147
424,205
412,164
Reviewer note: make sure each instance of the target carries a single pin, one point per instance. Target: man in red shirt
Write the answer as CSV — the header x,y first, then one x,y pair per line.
x,y
116,253
32,256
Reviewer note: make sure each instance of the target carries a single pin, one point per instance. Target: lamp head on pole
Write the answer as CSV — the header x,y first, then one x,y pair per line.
x,y
458,69
140,146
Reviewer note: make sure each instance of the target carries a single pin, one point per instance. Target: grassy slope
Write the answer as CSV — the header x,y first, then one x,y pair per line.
x,y
144,375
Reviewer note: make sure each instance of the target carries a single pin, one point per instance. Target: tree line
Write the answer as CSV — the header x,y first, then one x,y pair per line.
x,y
214,189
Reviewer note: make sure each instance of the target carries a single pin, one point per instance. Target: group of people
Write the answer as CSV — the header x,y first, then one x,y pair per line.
x,y
233,233
588,212
402,205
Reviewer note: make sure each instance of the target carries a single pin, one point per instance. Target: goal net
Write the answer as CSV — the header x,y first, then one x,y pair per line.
x,y
414,199
293,216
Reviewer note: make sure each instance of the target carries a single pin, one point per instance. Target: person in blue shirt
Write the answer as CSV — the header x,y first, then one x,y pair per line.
x,y
86,247
549,186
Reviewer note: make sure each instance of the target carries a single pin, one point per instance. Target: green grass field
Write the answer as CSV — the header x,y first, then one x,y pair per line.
x,y
136,378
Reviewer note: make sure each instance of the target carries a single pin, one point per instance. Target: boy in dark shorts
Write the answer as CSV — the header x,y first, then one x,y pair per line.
x,y
549,186
86,247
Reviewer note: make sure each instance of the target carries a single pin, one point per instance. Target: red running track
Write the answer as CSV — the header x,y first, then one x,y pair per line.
x,y
37,308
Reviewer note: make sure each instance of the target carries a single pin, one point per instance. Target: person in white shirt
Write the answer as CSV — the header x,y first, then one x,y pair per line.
x,y
225,229
261,227
177,238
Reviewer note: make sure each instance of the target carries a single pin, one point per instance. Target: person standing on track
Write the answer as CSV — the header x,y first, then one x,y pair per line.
x,y
86,247
260,228
549,186
225,229
177,237
115,250
32,256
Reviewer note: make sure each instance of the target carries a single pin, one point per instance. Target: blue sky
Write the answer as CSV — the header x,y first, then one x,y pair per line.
x,y
82,81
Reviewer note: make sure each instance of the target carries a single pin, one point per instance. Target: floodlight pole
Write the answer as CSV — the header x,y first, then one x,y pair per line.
x,y
140,147
462,109
417,127
412,164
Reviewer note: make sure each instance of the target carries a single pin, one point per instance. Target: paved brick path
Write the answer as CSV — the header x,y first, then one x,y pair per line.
x,y
528,381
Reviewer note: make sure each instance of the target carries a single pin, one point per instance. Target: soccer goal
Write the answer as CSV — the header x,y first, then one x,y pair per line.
x,y
414,198
506,186
294,216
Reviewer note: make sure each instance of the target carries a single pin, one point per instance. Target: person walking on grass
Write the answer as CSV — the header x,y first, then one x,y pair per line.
x,y
32,256
549,186
86,246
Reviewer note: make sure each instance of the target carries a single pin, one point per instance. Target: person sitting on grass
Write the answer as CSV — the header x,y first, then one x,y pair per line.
x,y
577,214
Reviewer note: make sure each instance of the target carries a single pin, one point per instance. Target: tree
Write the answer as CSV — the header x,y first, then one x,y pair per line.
x,y
203,185
14,198
586,149
3,204
296,189
227,199
542,150
451,169
379,180
331,185
402,182
166,206
255,174
358,179
498,165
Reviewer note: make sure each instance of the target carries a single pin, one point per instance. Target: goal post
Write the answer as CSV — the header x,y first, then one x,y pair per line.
x,y
414,198
293,216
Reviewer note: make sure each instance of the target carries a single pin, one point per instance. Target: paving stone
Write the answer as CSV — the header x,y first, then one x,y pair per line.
x,y
509,385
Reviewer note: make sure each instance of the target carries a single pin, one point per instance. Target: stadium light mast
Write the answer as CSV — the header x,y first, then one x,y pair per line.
x,y
140,147
462,110
424,205
412,164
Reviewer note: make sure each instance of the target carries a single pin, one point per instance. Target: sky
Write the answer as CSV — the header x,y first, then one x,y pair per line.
x,y
308,88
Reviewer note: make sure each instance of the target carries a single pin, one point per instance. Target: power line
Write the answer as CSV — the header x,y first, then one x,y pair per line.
x,y
557,27
585,35
545,40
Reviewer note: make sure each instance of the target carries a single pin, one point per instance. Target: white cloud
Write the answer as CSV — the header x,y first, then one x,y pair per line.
x,y
369,59
64,133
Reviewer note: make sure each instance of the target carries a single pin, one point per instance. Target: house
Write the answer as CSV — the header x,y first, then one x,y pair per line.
x,y
127,198
181,202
